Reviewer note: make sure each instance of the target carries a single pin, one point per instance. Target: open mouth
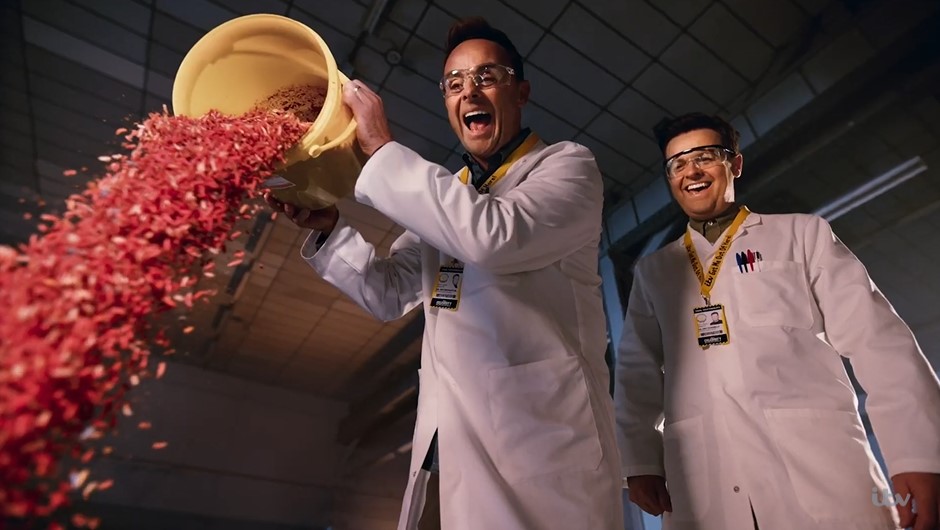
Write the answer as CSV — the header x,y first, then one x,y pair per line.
x,y
697,187
477,120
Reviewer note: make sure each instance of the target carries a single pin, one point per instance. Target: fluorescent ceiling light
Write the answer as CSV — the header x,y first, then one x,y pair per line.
x,y
872,189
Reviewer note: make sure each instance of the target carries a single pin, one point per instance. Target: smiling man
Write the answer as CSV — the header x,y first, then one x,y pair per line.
x,y
513,408
760,426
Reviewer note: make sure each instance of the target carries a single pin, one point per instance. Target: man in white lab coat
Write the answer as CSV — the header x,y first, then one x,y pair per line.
x,y
503,258
760,427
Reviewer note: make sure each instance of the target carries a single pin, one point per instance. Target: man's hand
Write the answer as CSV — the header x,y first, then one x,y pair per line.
x,y
924,490
321,220
369,112
649,493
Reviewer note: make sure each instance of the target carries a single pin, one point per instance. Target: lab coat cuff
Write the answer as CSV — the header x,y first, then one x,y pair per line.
x,y
312,244
633,471
320,256
914,465
310,247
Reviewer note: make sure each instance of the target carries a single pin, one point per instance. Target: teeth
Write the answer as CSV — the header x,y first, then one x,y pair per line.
x,y
469,117
697,186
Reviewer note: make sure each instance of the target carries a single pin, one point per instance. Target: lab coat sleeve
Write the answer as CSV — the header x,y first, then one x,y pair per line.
x,y
903,400
387,288
638,391
554,212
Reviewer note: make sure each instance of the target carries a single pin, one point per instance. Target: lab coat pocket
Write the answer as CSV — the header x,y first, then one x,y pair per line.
x,y
828,462
686,469
776,295
542,419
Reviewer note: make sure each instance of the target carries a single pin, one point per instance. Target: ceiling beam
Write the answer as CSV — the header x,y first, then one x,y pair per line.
x,y
376,370
859,95
394,442
386,404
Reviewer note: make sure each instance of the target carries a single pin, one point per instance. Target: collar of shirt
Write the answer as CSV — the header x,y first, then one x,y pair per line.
x,y
712,228
478,175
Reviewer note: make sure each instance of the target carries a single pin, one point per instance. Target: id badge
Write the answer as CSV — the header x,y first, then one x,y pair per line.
x,y
446,293
711,327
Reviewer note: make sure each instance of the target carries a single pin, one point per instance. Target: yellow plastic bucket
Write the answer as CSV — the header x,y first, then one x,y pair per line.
x,y
243,62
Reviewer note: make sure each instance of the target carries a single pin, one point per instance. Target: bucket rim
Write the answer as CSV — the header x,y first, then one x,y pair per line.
x,y
193,59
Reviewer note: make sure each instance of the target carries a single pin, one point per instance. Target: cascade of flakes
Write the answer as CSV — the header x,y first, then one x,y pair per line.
x,y
76,331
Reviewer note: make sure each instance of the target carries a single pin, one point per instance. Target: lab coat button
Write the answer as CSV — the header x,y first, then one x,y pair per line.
x,y
737,489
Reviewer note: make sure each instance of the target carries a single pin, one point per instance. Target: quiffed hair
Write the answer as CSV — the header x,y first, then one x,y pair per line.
x,y
478,28
669,128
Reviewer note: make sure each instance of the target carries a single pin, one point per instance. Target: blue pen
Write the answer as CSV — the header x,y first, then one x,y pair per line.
x,y
741,261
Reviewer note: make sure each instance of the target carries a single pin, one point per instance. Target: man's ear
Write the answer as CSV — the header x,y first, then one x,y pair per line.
x,y
737,165
524,89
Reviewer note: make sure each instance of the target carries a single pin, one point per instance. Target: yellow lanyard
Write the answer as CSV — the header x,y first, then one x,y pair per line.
x,y
707,282
520,151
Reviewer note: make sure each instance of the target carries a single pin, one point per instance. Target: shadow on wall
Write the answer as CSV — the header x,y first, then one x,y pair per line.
x,y
115,517
238,456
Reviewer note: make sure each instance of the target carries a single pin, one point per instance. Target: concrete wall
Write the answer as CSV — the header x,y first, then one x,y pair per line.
x,y
239,455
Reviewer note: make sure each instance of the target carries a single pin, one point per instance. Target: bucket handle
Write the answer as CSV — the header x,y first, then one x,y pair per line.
x,y
315,150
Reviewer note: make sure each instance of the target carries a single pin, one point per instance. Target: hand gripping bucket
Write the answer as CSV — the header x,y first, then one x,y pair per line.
x,y
243,62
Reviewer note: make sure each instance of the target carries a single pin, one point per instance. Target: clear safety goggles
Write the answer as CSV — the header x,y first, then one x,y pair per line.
x,y
482,76
703,157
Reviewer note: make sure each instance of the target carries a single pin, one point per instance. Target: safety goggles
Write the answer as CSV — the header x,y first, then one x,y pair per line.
x,y
482,76
703,157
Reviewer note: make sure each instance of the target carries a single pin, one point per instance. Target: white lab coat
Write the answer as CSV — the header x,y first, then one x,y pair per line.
x,y
770,419
515,380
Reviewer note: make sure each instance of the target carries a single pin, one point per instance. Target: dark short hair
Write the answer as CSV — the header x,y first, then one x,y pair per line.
x,y
478,28
669,128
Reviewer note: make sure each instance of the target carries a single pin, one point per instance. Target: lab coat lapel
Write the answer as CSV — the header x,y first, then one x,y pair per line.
x,y
517,171
706,250
753,219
